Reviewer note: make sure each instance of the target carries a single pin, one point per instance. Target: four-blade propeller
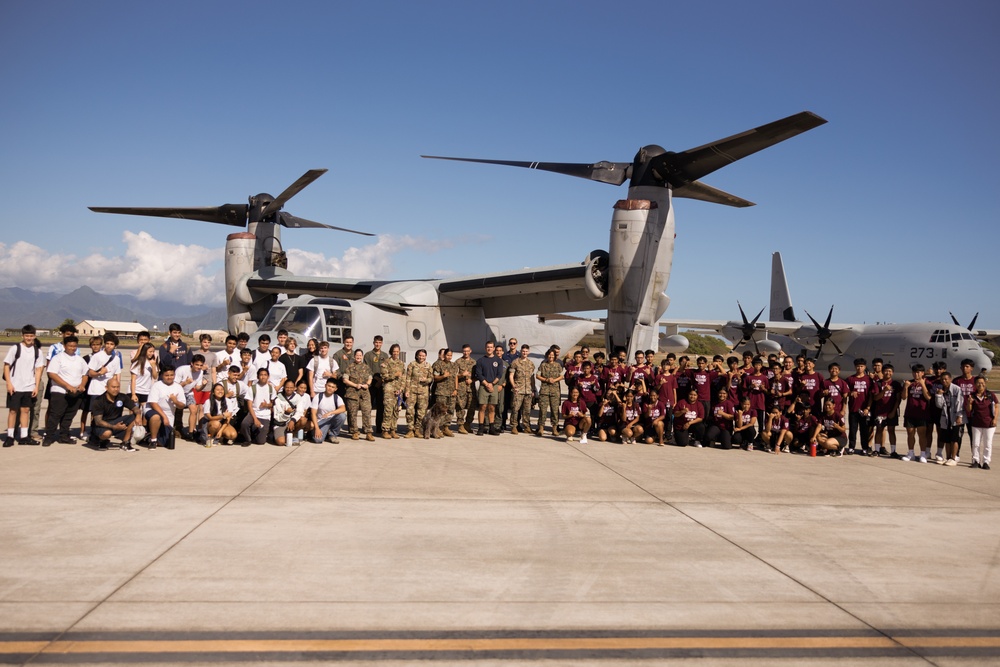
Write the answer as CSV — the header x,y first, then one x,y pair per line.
x,y
823,333
748,329
261,208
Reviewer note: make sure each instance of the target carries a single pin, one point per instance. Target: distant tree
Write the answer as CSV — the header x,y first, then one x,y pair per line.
x,y
68,320
700,344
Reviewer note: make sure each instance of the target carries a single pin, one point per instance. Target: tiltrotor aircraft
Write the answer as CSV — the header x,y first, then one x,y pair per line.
x,y
629,279
901,345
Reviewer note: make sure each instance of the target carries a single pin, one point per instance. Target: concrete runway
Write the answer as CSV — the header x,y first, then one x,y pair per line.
x,y
489,550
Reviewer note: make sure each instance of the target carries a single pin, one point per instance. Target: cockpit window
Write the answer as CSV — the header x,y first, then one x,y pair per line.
x,y
304,320
274,316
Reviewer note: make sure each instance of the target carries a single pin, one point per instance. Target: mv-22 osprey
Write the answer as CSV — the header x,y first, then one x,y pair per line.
x,y
629,279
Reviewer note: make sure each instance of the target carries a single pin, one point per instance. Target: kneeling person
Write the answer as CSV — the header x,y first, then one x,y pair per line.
x,y
108,413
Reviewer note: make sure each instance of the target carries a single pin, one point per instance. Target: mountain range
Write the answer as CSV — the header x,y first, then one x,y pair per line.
x,y
48,310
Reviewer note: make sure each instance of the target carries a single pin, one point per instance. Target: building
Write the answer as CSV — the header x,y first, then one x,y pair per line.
x,y
88,328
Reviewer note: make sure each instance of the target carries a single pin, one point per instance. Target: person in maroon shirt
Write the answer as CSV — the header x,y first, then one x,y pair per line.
x,y
574,369
861,389
755,387
683,374
607,417
701,380
629,414
811,382
734,378
654,416
804,426
720,428
776,433
745,425
640,372
916,395
832,436
967,383
590,389
576,417
835,389
779,388
615,376
982,409
689,420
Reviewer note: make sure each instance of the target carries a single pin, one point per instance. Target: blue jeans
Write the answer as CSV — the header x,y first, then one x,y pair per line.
x,y
330,423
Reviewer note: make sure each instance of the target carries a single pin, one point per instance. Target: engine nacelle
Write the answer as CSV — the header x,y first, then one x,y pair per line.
x,y
677,344
240,248
595,278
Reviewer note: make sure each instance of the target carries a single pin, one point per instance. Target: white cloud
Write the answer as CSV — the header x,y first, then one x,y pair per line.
x,y
191,274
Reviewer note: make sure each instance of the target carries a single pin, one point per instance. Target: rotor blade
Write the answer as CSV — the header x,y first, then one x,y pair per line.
x,y
295,222
614,173
829,316
227,214
701,192
973,322
754,321
813,320
742,314
836,347
291,191
955,319
696,163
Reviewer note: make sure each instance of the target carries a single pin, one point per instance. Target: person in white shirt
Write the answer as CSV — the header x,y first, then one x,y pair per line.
x,y
165,397
66,330
260,396
145,371
205,350
22,371
260,356
224,359
194,380
104,365
285,407
321,368
68,384
276,371
330,413
303,416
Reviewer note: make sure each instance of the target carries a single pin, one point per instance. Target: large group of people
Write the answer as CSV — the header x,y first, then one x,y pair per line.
x,y
279,394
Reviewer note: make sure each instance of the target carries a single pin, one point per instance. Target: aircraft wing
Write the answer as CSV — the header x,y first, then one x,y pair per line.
x,y
991,335
549,289
728,327
344,288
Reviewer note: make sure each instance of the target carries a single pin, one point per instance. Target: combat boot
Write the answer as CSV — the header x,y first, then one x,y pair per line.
x,y
409,433
369,437
447,432
513,430
462,429
386,436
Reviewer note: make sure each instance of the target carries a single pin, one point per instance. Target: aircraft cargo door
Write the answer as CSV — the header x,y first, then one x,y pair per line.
x,y
416,334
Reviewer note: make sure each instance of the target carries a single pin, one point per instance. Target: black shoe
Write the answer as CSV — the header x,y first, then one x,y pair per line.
x,y
127,447
66,441
986,466
28,441
47,443
495,431
481,431
975,464
896,455
8,442
103,447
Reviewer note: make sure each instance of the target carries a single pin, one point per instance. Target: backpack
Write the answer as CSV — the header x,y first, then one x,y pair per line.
x,y
17,355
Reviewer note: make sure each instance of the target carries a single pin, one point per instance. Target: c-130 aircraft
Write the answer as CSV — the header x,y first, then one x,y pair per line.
x,y
629,279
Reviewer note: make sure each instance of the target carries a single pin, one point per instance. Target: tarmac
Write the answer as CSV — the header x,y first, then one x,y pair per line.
x,y
494,550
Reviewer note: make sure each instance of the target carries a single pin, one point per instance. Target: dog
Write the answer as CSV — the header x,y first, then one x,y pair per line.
x,y
435,418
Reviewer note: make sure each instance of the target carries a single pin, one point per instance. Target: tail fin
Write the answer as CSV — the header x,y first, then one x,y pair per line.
x,y
781,300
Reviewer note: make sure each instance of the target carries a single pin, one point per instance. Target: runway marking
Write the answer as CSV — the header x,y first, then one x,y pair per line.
x,y
96,647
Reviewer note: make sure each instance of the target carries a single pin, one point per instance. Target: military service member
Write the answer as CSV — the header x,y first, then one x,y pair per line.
x,y
374,359
392,390
416,387
522,384
550,374
358,397
465,401
445,387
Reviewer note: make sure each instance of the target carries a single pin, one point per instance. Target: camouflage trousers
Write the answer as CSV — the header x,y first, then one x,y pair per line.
x,y
465,404
520,410
362,402
548,403
448,402
416,407
390,409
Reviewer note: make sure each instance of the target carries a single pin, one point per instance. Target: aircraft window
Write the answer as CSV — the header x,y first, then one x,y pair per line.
x,y
274,316
337,318
333,334
416,334
304,320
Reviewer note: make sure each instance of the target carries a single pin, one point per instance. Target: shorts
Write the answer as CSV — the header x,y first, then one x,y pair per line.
x,y
124,419
279,430
487,397
141,398
201,397
883,422
953,434
19,399
914,423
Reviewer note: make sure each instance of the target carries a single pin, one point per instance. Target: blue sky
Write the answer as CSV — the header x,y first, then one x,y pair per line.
x,y
887,211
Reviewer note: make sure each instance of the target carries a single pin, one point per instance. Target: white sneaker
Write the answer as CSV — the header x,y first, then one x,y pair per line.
x,y
908,457
923,459
583,439
951,462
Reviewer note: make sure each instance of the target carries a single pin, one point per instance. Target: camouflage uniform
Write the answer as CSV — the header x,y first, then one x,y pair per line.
x,y
392,376
465,400
548,394
444,390
522,375
358,399
374,360
416,384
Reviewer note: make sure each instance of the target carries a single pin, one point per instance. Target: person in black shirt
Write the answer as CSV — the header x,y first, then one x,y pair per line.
x,y
108,413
